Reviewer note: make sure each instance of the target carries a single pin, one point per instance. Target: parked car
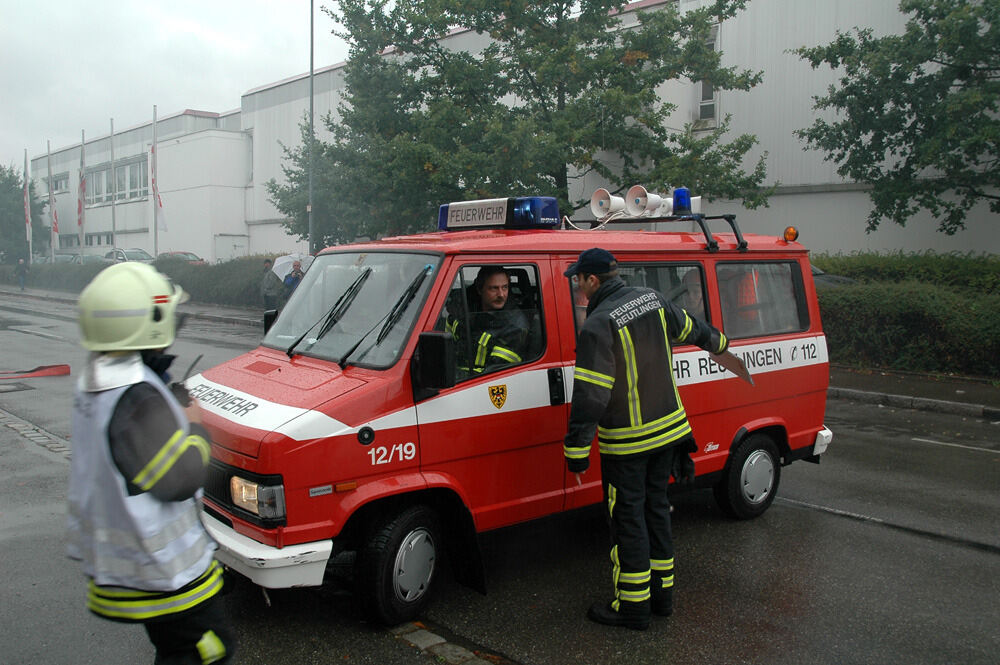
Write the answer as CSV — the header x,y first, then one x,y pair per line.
x,y
822,279
190,257
87,259
131,254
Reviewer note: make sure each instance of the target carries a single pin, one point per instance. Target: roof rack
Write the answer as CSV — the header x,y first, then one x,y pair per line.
x,y
711,244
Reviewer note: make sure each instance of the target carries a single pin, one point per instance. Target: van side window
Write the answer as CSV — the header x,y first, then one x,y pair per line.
x,y
494,314
761,298
681,283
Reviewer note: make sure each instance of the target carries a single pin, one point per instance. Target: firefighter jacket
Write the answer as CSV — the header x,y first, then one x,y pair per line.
x,y
623,384
497,337
146,557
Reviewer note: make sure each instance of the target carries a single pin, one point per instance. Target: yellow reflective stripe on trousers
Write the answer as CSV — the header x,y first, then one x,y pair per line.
x,y
664,568
135,605
210,648
596,378
632,375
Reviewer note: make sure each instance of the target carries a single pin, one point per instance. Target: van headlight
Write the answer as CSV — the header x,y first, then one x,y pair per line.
x,y
265,501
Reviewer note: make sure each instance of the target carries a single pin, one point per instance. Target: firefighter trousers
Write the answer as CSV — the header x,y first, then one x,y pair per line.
x,y
642,549
197,637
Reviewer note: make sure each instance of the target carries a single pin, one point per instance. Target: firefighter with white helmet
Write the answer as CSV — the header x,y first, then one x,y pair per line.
x,y
139,462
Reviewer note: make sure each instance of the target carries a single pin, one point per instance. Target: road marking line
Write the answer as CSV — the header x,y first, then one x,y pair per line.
x,y
954,445
32,331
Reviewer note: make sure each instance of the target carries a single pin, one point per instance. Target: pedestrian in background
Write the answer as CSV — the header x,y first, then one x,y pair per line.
x,y
623,388
139,463
271,288
21,270
293,278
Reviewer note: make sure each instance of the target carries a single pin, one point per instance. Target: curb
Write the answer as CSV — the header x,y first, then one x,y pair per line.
x,y
917,403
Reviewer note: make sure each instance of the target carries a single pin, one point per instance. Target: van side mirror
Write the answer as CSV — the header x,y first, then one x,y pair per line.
x,y
269,317
433,365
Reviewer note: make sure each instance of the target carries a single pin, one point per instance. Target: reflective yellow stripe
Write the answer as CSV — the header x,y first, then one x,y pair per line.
x,y
723,342
644,445
484,342
635,578
505,354
660,565
612,498
133,605
210,648
629,596
590,376
168,455
630,432
632,375
688,326
576,453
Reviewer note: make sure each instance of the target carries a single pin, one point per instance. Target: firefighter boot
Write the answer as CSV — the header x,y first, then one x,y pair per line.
x,y
663,601
636,617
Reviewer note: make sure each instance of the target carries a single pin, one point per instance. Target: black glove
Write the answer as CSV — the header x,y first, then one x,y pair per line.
x,y
180,391
578,465
683,466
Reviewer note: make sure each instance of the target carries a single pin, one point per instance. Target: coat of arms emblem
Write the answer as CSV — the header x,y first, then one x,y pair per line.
x,y
498,395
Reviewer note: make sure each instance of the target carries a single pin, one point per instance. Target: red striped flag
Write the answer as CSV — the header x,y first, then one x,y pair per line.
x,y
27,202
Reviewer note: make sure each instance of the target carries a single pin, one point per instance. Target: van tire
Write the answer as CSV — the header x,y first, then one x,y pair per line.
x,y
398,565
751,479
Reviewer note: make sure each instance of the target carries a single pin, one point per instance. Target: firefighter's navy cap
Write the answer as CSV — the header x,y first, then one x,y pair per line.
x,y
593,261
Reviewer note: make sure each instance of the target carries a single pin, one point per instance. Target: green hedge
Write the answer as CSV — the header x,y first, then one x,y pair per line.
x,y
913,326
978,273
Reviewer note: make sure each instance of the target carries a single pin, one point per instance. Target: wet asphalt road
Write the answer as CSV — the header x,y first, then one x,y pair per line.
x,y
887,552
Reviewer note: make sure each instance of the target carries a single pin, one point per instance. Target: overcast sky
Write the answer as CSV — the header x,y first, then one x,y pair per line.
x,y
67,65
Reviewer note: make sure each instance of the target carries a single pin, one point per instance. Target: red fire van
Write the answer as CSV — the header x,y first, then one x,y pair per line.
x,y
364,435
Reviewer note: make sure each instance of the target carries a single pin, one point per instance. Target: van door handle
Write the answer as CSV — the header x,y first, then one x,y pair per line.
x,y
557,392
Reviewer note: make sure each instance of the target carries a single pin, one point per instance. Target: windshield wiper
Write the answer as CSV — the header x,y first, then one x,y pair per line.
x,y
336,312
394,315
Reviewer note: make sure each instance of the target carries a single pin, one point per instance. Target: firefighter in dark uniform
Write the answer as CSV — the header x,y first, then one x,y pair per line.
x,y
623,387
139,461
498,331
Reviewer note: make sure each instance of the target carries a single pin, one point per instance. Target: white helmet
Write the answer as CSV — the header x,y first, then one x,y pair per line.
x,y
128,307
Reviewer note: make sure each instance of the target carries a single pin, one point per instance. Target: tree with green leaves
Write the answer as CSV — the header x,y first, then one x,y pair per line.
x,y
917,114
13,240
541,93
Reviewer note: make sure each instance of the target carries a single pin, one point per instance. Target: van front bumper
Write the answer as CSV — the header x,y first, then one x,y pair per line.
x,y
270,567
823,439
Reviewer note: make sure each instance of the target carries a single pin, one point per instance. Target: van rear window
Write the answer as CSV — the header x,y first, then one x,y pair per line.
x,y
762,298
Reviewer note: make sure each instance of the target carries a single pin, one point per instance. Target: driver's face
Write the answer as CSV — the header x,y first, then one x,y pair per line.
x,y
494,293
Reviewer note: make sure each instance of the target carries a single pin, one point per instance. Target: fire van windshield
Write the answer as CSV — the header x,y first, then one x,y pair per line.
x,y
362,290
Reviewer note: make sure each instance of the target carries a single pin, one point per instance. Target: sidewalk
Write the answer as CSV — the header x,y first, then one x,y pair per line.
x,y
960,395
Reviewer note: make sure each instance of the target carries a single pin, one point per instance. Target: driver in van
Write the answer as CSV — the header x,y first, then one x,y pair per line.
x,y
499,331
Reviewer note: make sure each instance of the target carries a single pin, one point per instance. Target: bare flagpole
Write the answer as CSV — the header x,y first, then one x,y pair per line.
x,y
114,187
309,209
156,224
81,192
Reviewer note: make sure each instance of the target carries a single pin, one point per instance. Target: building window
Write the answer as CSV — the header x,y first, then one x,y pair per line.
x,y
131,182
707,114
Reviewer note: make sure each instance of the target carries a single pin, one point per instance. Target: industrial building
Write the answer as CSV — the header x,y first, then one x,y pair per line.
x,y
212,166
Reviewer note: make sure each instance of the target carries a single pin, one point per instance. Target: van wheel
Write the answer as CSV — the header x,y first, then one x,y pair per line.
x,y
751,479
397,566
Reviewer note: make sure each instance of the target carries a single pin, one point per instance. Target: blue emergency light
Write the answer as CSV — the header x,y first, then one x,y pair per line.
x,y
522,212
682,201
